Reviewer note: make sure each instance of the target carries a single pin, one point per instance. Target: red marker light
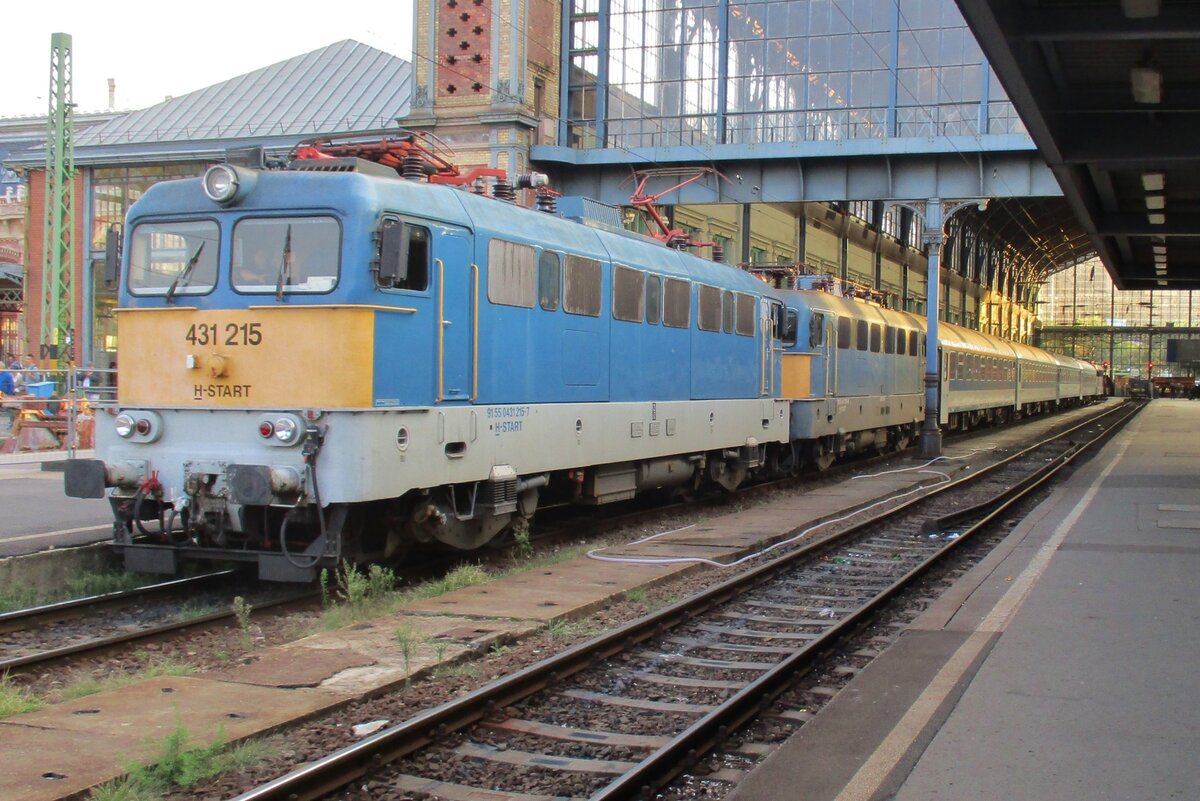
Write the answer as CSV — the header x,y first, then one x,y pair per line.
x,y
265,429
142,426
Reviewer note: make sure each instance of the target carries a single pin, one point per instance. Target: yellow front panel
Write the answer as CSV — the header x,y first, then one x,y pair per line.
x,y
277,356
796,377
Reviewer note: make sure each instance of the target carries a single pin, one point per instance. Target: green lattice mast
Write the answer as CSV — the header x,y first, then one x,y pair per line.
x,y
58,286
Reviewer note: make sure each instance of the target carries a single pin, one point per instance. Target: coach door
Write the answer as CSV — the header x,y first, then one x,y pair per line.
x,y
455,291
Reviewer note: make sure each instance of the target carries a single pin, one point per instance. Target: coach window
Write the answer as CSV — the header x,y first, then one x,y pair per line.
x,y
745,315
677,303
875,337
629,294
709,316
912,344
843,342
549,280
861,338
582,285
512,271
653,299
727,311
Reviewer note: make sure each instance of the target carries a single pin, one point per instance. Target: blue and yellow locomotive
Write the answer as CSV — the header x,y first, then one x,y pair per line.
x,y
329,361
322,363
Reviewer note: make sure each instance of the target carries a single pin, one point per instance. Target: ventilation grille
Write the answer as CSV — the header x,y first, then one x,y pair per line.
x,y
343,164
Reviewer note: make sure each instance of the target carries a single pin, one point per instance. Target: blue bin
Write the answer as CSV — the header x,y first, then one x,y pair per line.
x,y
40,389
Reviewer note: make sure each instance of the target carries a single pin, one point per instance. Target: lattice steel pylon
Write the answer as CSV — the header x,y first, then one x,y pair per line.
x,y
58,264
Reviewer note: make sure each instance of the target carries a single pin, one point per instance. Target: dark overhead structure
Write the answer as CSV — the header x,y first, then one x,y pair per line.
x,y
1110,92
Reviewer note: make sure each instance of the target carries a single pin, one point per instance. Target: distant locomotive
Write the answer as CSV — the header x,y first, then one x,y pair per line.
x,y
327,362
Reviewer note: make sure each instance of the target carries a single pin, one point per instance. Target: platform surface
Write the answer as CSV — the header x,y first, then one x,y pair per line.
x,y
1063,666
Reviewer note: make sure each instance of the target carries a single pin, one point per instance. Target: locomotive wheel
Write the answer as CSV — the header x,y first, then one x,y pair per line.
x,y
822,456
726,474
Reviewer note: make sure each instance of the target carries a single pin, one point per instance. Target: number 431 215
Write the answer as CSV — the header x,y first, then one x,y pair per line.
x,y
231,334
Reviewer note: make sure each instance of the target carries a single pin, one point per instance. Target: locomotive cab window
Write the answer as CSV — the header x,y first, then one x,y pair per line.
x,y
912,344
727,312
182,255
549,280
876,337
901,338
294,254
889,341
816,329
403,256
629,294
860,335
512,272
785,321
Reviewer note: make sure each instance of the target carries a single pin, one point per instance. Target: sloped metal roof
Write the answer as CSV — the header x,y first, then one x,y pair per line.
x,y
347,86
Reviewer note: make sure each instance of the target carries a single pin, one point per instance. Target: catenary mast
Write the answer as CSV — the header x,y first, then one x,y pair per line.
x,y
58,285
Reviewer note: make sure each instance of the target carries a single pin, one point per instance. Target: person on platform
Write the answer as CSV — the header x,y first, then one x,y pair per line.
x,y
18,373
32,374
7,384
89,381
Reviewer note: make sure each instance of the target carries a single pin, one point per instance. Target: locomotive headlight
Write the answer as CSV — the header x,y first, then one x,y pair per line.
x,y
124,425
221,183
286,429
280,429
225,183
136,425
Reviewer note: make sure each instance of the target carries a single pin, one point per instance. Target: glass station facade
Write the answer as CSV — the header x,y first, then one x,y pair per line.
x,y
706,72
1083,314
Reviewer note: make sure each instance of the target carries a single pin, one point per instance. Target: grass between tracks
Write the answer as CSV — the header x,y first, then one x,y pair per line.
x,y
351,594
77,585
90,685
178,763
15,700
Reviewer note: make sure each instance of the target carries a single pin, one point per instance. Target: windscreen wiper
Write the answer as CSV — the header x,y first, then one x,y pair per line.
x,y
285,269
185,272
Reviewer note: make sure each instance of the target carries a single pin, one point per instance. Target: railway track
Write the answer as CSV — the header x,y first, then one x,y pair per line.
x,y
619,716
45,634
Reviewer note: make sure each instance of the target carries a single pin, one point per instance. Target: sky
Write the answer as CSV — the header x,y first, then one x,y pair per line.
x,y
165,48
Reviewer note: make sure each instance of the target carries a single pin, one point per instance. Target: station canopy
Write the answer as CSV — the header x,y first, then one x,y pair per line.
x,y
1110,93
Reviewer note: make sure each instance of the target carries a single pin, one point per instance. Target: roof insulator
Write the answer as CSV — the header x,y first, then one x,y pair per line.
x,y
503,190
